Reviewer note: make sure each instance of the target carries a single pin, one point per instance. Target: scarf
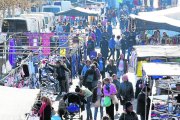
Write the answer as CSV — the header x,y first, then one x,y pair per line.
x,y
108,87
43,106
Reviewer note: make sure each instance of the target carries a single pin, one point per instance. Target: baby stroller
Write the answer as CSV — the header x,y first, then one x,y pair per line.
x,y
74,103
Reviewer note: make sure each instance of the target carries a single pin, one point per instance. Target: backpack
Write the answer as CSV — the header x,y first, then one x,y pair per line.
x,y
90,78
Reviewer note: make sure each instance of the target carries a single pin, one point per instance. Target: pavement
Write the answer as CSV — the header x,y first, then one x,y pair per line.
x,y
131,76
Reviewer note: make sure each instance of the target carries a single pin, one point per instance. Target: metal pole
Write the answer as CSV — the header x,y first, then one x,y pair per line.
x,y
5,46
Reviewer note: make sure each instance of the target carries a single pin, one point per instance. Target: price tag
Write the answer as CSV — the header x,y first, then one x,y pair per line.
x,y
63,52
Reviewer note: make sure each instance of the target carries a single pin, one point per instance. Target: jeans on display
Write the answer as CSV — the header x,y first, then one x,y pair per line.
x,y
88,108
96,111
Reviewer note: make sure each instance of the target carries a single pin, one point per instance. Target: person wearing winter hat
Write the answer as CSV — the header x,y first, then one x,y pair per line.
x,y
126,90
128,113
143,103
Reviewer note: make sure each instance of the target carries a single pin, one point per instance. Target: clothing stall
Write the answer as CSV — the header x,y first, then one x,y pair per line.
x,y
164,105
150,53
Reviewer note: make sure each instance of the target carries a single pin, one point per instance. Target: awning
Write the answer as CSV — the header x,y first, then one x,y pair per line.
x,y
78,11
170,12
157,51
15,103
152,22
161,69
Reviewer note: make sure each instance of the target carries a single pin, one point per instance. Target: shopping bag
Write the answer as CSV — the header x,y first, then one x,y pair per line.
x,y
107,101
97,103
114,99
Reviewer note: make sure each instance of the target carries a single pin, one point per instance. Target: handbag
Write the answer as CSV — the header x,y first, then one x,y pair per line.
x,y
97,103
114,99
122,101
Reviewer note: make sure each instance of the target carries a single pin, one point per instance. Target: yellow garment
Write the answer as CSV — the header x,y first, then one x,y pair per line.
x,y
139,68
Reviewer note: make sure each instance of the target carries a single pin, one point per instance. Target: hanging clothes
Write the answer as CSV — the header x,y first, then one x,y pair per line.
x,y
12,56
31,68
25,70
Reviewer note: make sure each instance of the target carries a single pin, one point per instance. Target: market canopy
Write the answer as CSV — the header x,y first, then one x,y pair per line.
x,y
161,69
90,2
173,13
153,22
15,103
78,11
157,51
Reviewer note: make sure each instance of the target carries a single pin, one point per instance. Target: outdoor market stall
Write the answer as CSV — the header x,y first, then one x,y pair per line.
x,y
150,53
142,23
78,11
16,103
170,12
165,106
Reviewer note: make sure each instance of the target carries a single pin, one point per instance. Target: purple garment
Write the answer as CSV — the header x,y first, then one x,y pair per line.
x,y
112,90
12,57
99,93
93,36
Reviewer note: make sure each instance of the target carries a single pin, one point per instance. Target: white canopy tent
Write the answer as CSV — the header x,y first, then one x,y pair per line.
x,y
157,51
170,12
161,69
15,103
152,22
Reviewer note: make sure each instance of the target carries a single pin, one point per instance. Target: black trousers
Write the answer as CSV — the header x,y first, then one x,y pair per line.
x,y
63,84
117,107
117,53
111,53
103,74
110,111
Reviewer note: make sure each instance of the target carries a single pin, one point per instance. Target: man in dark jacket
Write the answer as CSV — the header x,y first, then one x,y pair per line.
x,y
131,41
126,90
143,103
128,114
102,63
139,87
90,46
123,45
106,35
98,35
104,48
90,77
111,68
61,76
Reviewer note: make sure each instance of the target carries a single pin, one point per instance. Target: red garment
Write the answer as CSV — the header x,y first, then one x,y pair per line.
x,y
43,106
